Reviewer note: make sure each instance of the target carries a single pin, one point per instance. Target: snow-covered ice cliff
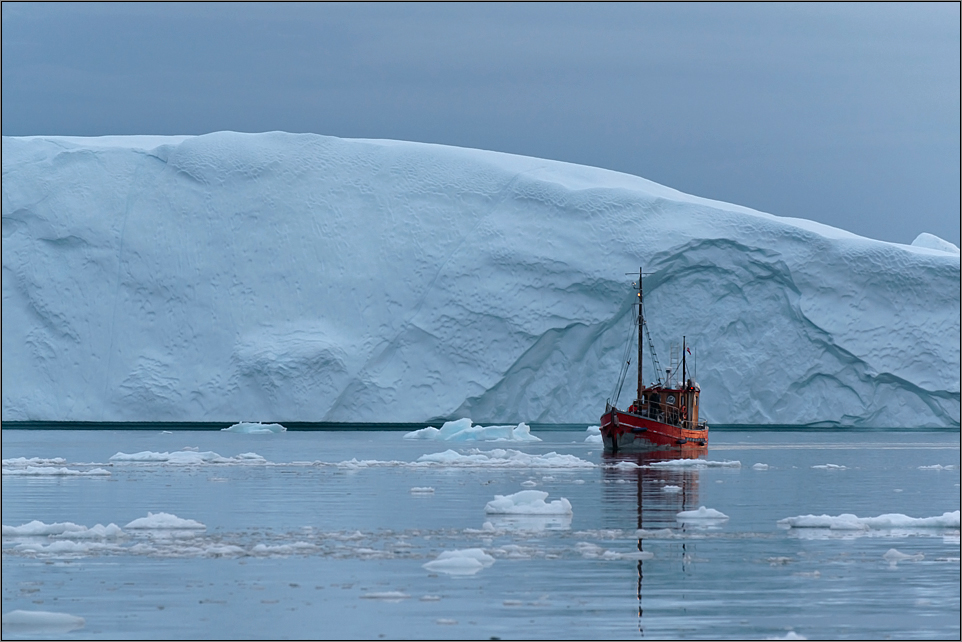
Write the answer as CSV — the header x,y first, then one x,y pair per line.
x,y
280,277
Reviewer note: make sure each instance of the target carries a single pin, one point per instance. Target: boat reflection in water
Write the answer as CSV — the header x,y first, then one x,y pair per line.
x,y
663,490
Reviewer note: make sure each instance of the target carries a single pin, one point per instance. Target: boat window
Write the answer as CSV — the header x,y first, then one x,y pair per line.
x,y
671,398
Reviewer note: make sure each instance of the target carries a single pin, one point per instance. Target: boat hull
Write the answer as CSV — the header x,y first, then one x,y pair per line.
x,y
627,432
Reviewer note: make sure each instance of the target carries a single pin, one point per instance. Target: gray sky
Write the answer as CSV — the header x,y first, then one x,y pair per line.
x,y
846,114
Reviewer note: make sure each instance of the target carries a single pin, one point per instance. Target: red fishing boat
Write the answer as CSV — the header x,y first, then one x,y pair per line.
x,y
663,414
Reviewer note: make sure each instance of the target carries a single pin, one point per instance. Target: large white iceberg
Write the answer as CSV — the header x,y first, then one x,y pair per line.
x,y
310,278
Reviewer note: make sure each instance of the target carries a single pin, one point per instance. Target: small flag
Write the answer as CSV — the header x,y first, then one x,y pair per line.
x,y
688,349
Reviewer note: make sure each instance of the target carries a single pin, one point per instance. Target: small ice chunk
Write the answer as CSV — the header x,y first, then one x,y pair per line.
x,y
164,521
49,471
255,428
701,514
529,483
791,635
527,502
829,467
760,466
40,622
695,463
668,488
388,596
594,435
937,467
422,490
460,562
893,557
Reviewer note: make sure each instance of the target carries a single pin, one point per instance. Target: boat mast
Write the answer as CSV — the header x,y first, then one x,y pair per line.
x,y
641,326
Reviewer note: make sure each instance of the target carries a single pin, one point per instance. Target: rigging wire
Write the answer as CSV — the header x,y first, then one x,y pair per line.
x,y
626,360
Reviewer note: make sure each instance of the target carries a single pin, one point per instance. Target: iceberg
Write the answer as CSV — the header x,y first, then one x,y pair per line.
x,y
300,277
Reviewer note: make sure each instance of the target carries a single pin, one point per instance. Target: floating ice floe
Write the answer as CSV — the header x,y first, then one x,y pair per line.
x,y
932,467
186,458
668,488
49,622
62,529
695,463
594,435
464,430
164,521
760,466
847,521
255,428
422,490
702,514
34,461
460,562
791,635
50,471
893,557
501,458
527,502
829,467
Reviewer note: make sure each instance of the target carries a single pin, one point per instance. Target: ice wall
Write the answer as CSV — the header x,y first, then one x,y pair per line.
x,y
280,277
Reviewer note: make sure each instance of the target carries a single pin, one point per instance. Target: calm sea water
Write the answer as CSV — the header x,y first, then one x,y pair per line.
x,y
306,543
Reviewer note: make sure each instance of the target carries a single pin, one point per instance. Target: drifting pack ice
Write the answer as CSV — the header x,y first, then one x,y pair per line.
x,y
282,277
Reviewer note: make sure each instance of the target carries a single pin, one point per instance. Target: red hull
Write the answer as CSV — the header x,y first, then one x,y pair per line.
x,y
623,431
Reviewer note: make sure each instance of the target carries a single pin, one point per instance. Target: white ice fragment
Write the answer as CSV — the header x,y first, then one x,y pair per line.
x,y
695,463
49,471
594,435
663,533
893,557
67,530
791,635
848,521
387,596
186,458
460,562
164,521
422,490
40,622
34,461
760,466
706,514
937,467
464,430
501,458
829,467
529,483
255,428
527,502
668,488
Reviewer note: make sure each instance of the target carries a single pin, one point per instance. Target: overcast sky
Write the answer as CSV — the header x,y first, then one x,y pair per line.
x,y
847,114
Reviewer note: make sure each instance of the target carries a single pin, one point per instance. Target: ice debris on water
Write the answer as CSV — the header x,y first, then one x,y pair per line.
x,y
50,622
829,467
465,430
164,521
760,466
893,557
466,561
695,463
62,529
668,488
527,502
937,467
255,428
501,458
848,521
707,514
186,458
594,435
50,471
422,490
